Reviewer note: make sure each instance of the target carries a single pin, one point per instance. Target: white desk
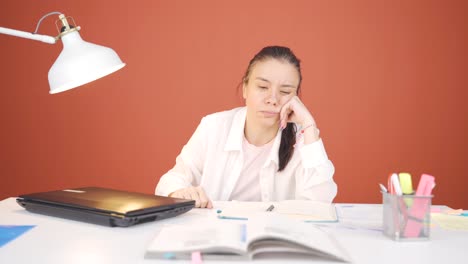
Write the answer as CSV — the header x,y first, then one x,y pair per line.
x,y
56,240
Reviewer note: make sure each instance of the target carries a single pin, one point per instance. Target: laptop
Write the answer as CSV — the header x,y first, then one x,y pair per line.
x,y
104,206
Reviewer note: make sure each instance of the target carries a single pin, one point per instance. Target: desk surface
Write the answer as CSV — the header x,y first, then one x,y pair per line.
x,y
56,240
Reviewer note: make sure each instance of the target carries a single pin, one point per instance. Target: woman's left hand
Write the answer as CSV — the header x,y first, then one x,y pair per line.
x,y
296,112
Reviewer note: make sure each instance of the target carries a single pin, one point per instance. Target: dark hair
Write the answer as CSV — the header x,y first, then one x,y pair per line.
x,y
288,136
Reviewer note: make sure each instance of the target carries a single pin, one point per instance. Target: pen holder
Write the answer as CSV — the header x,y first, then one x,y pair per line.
x,y
406,217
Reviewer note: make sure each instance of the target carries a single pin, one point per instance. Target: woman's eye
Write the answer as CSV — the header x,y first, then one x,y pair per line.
x,y
285,92
262,87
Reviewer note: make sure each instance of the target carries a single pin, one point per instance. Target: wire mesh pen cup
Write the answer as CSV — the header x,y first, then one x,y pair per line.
x,y
406,217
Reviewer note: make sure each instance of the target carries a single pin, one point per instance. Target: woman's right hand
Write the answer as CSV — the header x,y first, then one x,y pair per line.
x,y
194,193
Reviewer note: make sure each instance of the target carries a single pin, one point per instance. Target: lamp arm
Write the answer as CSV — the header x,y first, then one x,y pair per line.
x,y
28,35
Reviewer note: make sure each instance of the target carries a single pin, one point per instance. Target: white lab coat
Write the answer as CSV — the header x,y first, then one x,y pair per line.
x,y
213,158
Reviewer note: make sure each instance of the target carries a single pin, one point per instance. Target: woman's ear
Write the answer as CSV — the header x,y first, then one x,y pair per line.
x,y
244,90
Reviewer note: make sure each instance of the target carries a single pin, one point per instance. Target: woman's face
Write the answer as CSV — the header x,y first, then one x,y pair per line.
x,y
271,84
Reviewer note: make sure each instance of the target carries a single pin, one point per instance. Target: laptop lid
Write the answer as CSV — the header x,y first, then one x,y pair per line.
x,y
104,206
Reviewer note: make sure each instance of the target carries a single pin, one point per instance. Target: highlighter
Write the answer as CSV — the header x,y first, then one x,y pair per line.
x,y
406,187
421,207
406,183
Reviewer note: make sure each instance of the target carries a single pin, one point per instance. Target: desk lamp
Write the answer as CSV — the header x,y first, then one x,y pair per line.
x,y
80,62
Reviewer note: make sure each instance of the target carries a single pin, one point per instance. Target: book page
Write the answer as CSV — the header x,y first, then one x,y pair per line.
x,y
282,234
310,211
219,238
298,209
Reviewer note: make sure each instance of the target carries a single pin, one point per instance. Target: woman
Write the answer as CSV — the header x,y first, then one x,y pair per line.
x,y
269,150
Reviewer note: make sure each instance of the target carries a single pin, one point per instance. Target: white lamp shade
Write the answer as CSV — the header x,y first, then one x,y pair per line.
x,y
81,62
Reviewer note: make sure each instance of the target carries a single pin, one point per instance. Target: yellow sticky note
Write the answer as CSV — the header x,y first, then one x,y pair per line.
x,y
451,222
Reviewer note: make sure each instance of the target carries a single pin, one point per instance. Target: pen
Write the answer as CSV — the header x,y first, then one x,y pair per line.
x,y
390,188
382,188
396,184
269,209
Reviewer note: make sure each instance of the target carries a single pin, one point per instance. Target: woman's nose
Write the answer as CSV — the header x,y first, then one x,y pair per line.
x,y
271,98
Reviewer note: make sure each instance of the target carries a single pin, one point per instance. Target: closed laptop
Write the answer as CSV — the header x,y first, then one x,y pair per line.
x,y
104,206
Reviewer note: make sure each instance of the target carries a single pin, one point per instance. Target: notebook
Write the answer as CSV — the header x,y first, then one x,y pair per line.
x,y
304,210
104,206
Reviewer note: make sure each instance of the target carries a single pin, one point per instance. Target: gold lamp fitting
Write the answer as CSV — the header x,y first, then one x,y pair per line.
x,y
65,27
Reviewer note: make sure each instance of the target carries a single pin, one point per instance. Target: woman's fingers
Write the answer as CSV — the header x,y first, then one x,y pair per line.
x,y
204,200
194,193
286,113
296,112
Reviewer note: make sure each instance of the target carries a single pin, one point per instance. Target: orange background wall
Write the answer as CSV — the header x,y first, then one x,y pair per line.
x,y
385,80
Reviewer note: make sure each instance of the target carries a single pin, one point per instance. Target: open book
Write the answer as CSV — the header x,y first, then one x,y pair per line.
x,y
309,211
262,236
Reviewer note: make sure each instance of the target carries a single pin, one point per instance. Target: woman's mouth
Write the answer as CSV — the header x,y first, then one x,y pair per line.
x,y
269,113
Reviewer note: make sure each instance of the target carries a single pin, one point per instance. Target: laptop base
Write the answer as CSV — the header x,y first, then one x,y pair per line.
x,y
100,219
